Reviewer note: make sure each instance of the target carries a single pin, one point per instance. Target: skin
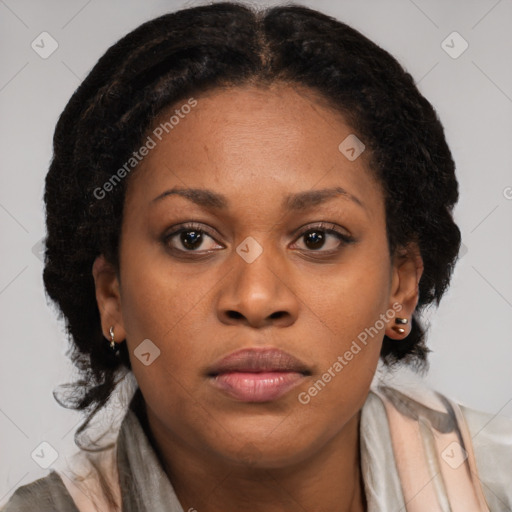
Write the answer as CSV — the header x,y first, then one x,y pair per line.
x,y
255,145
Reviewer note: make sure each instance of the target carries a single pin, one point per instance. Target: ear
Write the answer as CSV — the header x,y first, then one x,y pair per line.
x,y
108,298
406,271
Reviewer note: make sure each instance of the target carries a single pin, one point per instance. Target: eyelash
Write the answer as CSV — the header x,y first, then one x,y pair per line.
x,y
325,227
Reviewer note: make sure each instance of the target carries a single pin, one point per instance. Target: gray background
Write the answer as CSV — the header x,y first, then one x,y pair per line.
x,y
470,332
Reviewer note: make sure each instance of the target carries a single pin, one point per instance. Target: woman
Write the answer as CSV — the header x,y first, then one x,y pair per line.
x,y
247,212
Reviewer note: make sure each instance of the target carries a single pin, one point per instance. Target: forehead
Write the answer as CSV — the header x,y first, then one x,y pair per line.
x,y
251,142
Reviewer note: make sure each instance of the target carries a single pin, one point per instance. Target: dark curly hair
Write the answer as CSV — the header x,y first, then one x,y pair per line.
x,y
222,45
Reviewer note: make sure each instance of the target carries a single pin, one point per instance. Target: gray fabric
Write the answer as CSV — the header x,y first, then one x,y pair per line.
x,y
144,484
48,494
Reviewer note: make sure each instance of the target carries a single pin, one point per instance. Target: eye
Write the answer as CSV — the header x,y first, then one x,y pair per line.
x,y
324,236
190,238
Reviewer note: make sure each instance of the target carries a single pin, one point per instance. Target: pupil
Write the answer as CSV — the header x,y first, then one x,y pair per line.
x,y
315,238
188,241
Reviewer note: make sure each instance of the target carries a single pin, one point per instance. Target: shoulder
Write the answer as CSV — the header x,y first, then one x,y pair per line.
x,y
47,494
491,436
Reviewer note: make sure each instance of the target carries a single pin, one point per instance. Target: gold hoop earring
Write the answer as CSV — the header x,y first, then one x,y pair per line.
x,y
112,340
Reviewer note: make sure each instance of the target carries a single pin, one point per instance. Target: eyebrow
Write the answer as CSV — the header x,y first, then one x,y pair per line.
x,y
297,201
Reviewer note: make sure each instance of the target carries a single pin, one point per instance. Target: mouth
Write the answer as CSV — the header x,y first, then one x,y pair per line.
x,y
257,375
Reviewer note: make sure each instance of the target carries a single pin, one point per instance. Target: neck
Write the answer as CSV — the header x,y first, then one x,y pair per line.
x,y
329,479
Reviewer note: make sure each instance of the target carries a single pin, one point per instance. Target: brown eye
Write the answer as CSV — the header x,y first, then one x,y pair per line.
x,y
190,238
314,239
324,237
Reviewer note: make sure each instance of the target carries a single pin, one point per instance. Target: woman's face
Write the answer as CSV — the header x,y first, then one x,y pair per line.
x,y
288,250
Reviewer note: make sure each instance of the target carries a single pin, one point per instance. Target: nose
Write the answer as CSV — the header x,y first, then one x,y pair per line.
x,y
258,293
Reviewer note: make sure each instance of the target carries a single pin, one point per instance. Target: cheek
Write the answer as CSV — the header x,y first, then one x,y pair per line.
x,y
347,352
156,307
349,305
347,298
156,294
171,305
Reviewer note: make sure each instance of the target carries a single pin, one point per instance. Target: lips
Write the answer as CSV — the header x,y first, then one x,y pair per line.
x,y
258,360
257,375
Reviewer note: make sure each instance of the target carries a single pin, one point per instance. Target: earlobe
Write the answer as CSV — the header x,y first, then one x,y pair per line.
x,y
108,297
406,275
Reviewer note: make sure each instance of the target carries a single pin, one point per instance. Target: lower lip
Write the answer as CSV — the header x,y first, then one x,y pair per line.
x,y
257,387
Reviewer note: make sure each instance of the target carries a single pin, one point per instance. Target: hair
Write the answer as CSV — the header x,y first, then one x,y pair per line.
x,y
225,45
